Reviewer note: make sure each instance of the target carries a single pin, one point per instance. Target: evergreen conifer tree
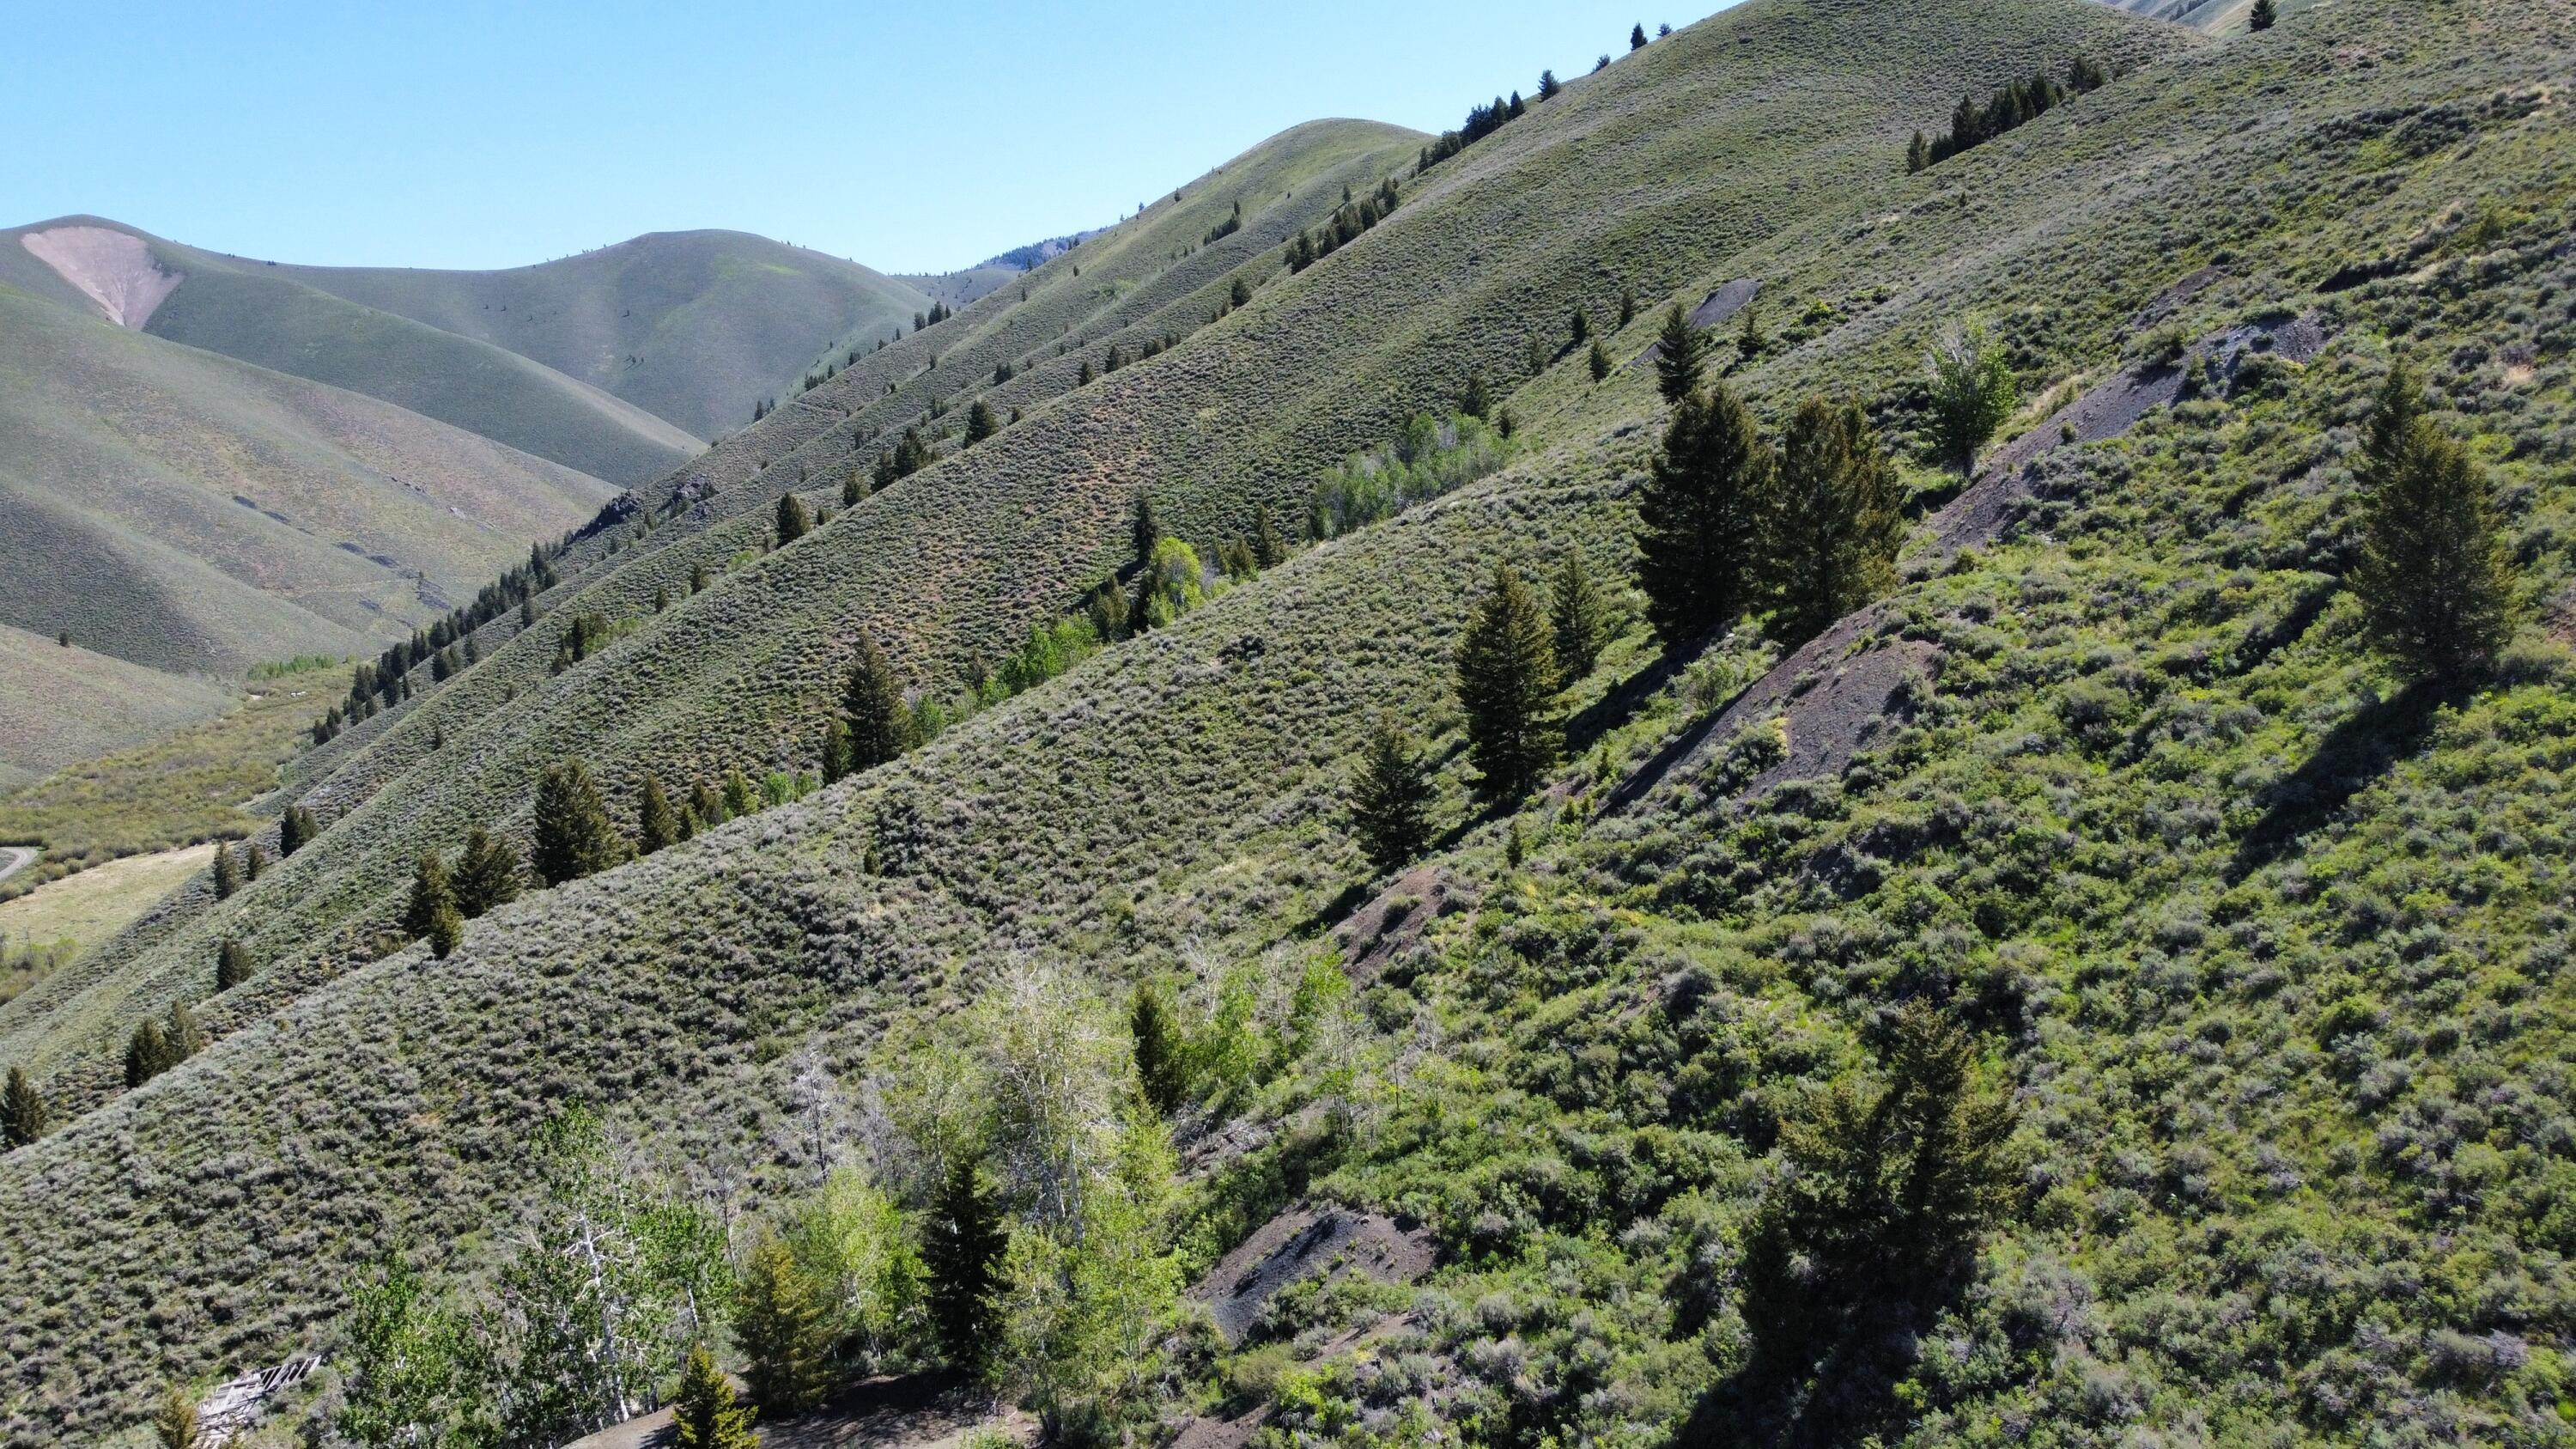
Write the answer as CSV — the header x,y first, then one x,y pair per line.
x,y
738,797
1475,402
1582,328
2435,581
147,1054
962,1247
2264,15
429,891
707,805
1109,612
574,838
1269,548
227,874
232,965
1681,356
1599,361
1391,799
1161,1069
486,875
981,422
792,520
656,824
1144,531
253,860
446,929
1506,682
872,702
703,1412
779,1324
1701,518
1918,155
1579,620
1637,38
22,1111
1834,527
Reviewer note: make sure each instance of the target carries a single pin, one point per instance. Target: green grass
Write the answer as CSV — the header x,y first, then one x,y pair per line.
x,y
67,704
200,515
77,912
182,788
2298,1137
691,326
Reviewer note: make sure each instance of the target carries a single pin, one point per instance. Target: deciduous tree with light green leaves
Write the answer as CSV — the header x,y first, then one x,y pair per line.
x,y
1972,392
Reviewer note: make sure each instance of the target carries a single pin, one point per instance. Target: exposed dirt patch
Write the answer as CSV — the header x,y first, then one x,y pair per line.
x,y
1392,920
113,268
1713,309
1308,1240
2164,303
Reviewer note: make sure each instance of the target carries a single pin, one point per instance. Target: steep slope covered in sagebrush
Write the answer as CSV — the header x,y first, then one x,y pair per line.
x,y
1650,170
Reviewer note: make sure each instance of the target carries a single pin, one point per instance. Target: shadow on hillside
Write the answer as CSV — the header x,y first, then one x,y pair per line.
x,y
2353,753
1849,1396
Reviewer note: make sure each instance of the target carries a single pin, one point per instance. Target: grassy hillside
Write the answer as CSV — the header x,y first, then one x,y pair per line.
x,y
2267,955
69,703
950,568
199,515
187,785
252,312
693,326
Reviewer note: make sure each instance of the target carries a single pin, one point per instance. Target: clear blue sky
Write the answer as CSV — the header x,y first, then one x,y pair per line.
x,y
911,137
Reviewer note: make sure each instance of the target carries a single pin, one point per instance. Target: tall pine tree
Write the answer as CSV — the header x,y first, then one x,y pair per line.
x,y
1578,620
232,965
574,838
1681,356
22,1111
1391,799
430,892
962,1247
779,1323
793,520
1700,517
1834,527
872,702
486,875
656,824
1507,684
2435,581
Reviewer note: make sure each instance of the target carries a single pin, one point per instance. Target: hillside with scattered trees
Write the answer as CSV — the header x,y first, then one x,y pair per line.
x,y
1426,849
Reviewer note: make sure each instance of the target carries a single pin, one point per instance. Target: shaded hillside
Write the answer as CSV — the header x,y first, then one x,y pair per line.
x,y
693,326
197,514
68,703
2268,956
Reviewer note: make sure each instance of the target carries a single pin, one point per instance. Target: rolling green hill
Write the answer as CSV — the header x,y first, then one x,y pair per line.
x,y
693,326
66,703
249,311
2266,954
199,515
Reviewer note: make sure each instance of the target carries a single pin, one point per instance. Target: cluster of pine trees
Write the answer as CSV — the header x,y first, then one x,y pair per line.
x,y
446,646
1227,227
2021,101
1339,230
938,313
